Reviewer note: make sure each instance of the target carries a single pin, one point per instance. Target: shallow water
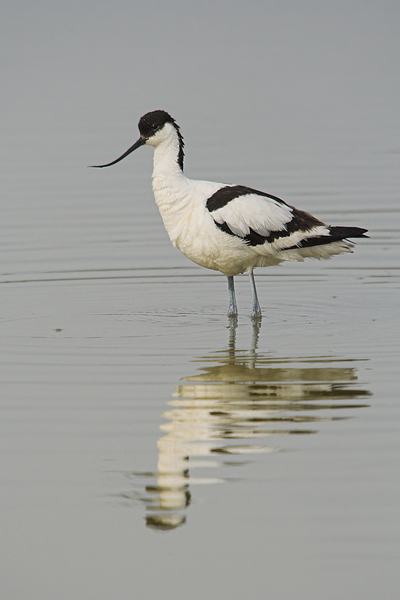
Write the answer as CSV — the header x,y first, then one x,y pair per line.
x,y
148,445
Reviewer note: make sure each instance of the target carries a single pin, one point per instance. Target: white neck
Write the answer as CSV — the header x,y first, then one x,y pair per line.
x,y
169,182
166,156
172,190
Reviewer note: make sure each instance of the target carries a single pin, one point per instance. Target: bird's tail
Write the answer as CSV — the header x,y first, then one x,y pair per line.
x,y
333,241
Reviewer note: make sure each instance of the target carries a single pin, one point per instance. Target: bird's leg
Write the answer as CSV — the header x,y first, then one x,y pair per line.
x,y
232,310
256,313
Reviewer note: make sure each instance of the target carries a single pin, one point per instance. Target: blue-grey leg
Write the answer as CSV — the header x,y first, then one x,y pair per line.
x,y
256,313
232,310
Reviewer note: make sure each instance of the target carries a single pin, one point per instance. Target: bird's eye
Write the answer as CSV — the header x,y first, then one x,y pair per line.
x,y
154,126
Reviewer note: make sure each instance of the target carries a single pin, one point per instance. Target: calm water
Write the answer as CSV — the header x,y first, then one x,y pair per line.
x,y
148,447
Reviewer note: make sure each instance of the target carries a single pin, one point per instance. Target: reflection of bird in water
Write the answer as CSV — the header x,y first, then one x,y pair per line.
x,y
229,408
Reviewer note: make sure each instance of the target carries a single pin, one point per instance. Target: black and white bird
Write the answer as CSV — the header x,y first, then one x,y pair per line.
x,y
225,227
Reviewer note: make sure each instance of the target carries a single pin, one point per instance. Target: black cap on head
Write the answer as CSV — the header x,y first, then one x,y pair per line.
x,y
153,121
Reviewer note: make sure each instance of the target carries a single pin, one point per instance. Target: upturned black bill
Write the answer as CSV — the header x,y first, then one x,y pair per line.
x,y
140,142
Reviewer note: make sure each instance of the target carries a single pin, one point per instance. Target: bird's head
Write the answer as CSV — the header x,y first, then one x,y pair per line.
x,y
154,127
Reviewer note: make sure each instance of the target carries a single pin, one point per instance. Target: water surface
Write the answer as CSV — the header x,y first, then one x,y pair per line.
x,y
149,447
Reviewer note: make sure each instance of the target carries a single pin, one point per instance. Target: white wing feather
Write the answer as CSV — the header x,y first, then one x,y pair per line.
x,y
260,213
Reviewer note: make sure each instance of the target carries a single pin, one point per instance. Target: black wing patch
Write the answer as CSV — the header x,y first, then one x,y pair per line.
x,y
252,239
228,193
